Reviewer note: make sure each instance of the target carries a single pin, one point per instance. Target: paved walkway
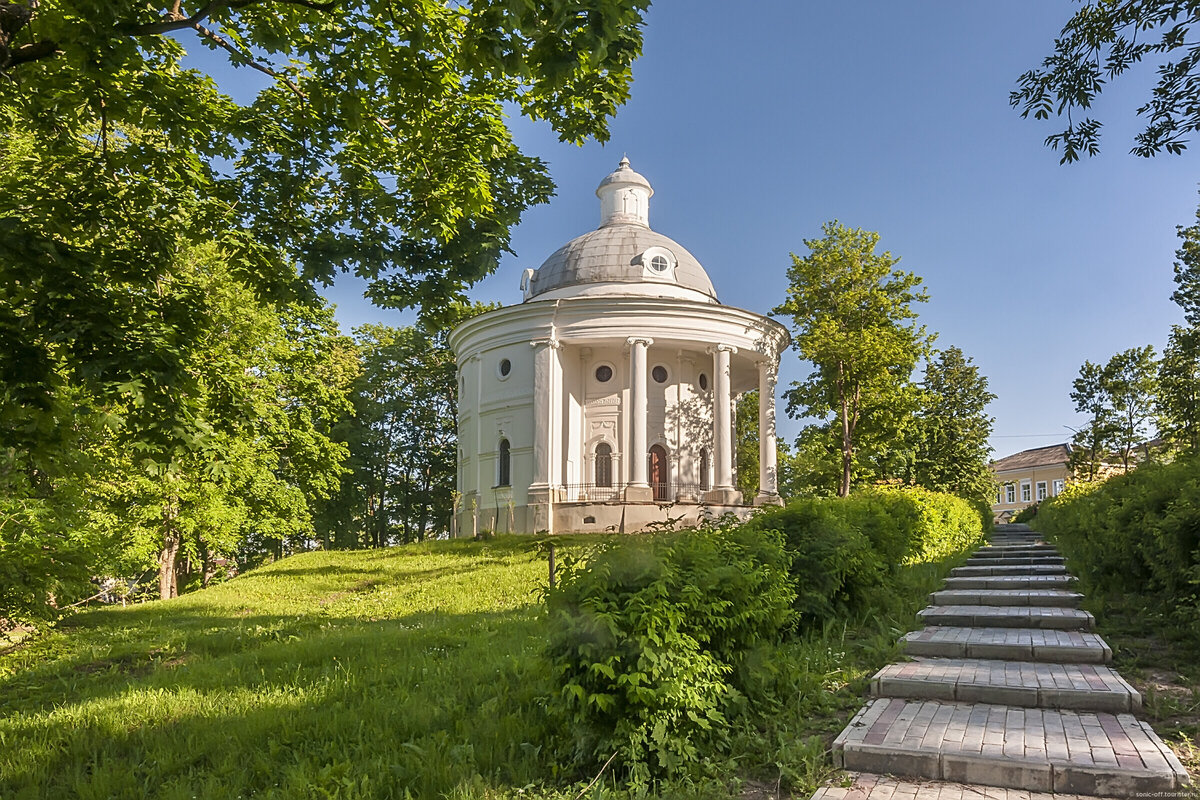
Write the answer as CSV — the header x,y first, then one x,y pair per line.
x,y
1008,687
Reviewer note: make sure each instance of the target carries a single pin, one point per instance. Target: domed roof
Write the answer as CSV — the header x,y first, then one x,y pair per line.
x,y
623,256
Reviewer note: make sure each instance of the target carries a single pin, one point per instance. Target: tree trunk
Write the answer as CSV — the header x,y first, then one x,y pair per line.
x,y
847,452
168,558
423,518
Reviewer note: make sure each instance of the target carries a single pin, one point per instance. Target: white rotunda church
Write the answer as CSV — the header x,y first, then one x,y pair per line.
x,y
605,400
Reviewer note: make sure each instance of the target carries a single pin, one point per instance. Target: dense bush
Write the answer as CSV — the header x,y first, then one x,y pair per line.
x,y
1026,514
648,638
655,642
1138,532
840,547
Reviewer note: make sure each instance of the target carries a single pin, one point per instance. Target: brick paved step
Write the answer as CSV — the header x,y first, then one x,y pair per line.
x,y
1008,569
1017,644
977,616
1011,582
1083,752
1081,687
1024,561
1015,552
865,786
1005,597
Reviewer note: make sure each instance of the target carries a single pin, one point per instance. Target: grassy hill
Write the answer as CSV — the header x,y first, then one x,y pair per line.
x,y
408,672
328,674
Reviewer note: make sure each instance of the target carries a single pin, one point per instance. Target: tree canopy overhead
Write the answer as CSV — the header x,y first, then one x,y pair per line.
x,y
1103,40
378,144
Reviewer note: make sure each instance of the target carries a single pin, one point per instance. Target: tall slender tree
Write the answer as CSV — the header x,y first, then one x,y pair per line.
x,y
1179,389
953,427
1130,382
852,318
1096,438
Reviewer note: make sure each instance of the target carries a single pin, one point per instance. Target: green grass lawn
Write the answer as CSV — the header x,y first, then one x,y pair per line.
x,y
329,674
413,671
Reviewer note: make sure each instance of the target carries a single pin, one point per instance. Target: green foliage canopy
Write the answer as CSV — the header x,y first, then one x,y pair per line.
x,y
1100,42
953,427
851,314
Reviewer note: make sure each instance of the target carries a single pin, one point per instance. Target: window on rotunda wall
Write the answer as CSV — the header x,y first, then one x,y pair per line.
x,y
604,465
504,465
704,468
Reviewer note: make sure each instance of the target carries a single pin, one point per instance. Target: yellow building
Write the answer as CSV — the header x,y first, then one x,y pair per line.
x,y
1029,476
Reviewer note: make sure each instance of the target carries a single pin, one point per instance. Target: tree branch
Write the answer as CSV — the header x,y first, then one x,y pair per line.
x,y
30,52
241,57
174,22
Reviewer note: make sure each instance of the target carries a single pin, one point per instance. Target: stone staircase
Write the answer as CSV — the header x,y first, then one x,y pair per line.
x,y
1008,687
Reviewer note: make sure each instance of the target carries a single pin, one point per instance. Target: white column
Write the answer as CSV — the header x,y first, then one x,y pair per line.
x,y
722,421
638,410
768,475
477,500
547,407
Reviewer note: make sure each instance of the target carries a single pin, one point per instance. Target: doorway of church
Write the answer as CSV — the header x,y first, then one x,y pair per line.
x,y
658,473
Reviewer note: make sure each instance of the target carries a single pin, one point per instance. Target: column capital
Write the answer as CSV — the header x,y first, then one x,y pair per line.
x,y
642,340
768,367
722,348
549,341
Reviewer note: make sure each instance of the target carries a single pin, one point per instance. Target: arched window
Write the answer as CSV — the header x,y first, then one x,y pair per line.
x,y
504,470
604,465
704,468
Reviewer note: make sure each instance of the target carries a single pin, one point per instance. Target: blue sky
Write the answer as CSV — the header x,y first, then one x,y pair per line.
x,y
756,123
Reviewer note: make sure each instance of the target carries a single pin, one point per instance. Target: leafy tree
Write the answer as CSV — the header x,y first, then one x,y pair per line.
x,y
953,427
1179,370
1119,399
376,143
851,313
1130,384
403,436
745,444
1097,437
1187,273
1100,42
1179,389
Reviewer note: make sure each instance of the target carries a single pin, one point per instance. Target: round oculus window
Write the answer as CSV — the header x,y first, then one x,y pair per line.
x,y
659,374
504,367
604,373
659,264
703,381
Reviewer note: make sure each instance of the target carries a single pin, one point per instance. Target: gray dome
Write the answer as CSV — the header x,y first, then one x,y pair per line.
x,y
613,254
622,251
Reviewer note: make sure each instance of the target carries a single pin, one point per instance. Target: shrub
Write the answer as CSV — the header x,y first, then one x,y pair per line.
x,y
655,642
648,638
832,561
1026,514
1138,532
841,547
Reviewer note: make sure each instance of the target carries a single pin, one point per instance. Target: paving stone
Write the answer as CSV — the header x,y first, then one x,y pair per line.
x,y
1020,644
1016,550
1005,597
1082,687
1009,569
1083,752
980,616
1011,582
1014,561
866,786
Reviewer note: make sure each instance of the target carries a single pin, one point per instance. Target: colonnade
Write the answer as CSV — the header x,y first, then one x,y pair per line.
x,y
547,405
